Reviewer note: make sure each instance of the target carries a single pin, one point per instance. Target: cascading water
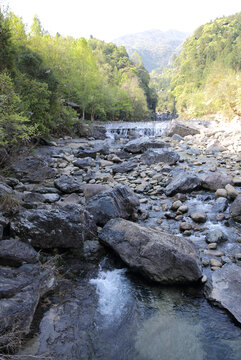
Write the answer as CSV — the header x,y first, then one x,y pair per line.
x,y
123,129
113,290
140,321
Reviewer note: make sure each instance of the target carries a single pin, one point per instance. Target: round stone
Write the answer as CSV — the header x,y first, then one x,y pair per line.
x,y
185,226
183,209
215,263
198,217
221,193
176,205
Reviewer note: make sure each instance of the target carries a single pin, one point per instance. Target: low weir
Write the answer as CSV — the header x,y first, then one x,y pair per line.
x,y
124,129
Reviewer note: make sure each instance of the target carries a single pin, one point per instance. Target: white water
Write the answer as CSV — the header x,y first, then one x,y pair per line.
x,y
149,128
114,293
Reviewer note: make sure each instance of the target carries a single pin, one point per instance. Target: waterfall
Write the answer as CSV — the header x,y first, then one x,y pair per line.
x,y
124,129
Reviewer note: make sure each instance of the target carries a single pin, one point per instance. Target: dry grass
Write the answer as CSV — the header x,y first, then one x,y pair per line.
x,y
9,205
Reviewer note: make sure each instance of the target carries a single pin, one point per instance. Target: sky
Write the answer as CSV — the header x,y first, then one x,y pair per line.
x,y
110,19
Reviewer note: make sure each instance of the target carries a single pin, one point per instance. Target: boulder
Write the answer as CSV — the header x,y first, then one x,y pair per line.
x,y
101,148
141,144
120,202
70,199
198,217
51,198
225,289
63,227
67,184
33,169
216,236
159,256
232,192
90,190
183,183
33,197
235,209
84,163
163,155
98,132
221,193
216,180
15,253
124,167
5,189
181,130
20,292
220,205
86,152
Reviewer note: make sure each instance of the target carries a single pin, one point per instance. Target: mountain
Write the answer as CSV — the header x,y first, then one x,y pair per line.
x,y
156,47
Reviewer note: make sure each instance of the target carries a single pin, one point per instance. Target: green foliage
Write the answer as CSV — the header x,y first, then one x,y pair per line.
x,y
206,76
40,73
36,27
14,125
6,48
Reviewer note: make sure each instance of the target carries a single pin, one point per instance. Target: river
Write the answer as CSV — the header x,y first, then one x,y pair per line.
x,y
104,311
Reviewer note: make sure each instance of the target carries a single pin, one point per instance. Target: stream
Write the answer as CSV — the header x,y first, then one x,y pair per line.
x,y
104,311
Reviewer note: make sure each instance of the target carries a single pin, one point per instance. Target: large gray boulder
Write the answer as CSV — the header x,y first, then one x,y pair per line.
x,y
235,209
68,185
160,156
91,190
160,256
125,167
98,132
91,151
20,292
225,289
33,169
181,129
84,163
120,202
184,182
140,145
15,253
5,189
63,227
216,180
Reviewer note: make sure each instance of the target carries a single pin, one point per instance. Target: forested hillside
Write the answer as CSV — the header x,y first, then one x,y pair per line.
x,y
206,76
40,74
156,47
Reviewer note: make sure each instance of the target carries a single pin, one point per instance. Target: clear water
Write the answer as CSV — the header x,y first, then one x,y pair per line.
x,y
158,323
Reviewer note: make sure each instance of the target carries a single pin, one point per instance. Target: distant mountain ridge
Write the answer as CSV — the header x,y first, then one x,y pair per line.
x,y
156,47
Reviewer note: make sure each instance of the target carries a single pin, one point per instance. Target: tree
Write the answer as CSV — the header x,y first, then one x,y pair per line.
x,y
36,27
14,126
6,46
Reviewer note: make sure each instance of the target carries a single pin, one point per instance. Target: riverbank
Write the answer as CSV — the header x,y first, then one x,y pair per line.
x,y
185,183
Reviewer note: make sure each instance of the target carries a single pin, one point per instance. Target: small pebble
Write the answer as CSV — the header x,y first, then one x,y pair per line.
x,y
204,279
212,246
215,263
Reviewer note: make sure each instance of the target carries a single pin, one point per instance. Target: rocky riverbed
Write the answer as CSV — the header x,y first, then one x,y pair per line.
x,y
168,206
